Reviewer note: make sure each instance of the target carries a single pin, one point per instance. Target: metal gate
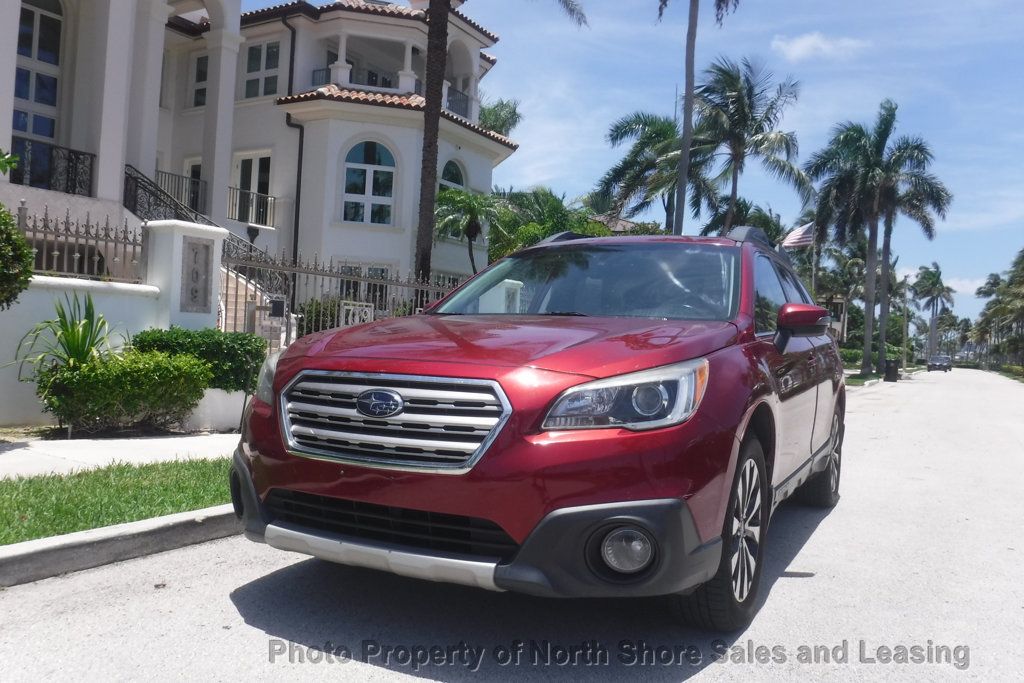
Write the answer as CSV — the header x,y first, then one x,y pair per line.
x,y
281,299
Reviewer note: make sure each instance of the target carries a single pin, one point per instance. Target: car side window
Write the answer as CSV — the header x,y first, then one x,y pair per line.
x,y
794,292
768,295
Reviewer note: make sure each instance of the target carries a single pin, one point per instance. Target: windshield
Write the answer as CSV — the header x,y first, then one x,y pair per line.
x,y
631,279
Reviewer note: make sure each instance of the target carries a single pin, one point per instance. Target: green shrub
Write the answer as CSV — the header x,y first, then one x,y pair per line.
x,y
315,315
150,390
16,260
234,357
851,356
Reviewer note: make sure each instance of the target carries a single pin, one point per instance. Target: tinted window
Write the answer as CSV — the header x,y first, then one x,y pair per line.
x,y
613,279
769,295
794,292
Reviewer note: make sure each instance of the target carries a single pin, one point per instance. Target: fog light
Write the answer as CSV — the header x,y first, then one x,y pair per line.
x,y
627,550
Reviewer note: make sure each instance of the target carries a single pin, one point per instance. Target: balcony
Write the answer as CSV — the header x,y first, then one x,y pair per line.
x,y
252,208
52,167
320,77
385,80
458,103
188,190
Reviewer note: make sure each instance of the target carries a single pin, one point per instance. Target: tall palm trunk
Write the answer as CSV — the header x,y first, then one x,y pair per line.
x,y
734,194
670,210
871,268
688,97
472,257
883,299
437,57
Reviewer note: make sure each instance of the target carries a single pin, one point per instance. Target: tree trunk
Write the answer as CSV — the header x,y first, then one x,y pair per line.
x,y
870,273
472,257
688,96
670,210
883,299
437,57
730,215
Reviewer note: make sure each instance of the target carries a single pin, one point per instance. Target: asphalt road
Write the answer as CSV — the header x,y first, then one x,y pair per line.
x,y
924,550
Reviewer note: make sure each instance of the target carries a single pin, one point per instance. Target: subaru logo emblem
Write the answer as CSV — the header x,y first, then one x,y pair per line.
x,y
379,403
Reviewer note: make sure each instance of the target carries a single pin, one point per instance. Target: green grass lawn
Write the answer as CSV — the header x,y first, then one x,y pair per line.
x,y
858,380
36,507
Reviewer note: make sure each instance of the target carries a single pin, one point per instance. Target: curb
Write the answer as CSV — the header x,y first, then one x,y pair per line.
x,y
45,557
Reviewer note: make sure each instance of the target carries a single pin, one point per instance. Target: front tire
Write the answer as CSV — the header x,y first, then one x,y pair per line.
x,y
728,601
822,489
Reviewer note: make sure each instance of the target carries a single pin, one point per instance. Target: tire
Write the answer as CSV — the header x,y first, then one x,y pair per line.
x,y
822,489
727,602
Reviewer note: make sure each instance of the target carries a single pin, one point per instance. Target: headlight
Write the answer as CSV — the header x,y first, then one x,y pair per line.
x,y
641,400
265,385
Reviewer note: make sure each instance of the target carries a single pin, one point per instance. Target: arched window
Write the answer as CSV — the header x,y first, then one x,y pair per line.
x,y
451,176
369,184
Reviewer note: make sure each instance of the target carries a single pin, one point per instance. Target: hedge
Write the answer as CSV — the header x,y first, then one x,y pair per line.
x,y
233,357
135,389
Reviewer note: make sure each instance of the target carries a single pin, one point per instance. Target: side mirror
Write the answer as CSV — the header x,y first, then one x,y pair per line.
x,y
803,320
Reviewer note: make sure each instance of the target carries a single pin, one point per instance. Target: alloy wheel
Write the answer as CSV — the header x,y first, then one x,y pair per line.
x,y
746,530
835,453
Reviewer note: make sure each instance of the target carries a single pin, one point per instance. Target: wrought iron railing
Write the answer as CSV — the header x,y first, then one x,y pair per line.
x,y
150,202
321,77
52,167
374,78
188,190
69,247
251,207
458,102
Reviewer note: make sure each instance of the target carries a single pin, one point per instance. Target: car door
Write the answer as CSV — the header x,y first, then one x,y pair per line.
x,y
792,370
823,364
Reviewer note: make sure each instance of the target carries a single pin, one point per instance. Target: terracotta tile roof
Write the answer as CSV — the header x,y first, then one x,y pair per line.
x,y
334,93
398,11
493,37
489,58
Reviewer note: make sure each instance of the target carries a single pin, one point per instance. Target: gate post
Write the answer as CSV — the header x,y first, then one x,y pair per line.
x,y
184,261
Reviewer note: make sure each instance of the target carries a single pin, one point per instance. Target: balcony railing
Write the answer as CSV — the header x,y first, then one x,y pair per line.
x,y
150,202
321,77
374,78
458,102
251,207
188,190
52,167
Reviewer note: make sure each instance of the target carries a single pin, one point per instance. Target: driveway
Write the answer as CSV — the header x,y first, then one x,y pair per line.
x,y
920,560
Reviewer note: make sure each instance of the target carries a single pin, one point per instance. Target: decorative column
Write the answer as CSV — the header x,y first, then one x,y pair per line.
x,y
118,23
147,67
183,260
9,14
407,77
218,120
444,94
341,72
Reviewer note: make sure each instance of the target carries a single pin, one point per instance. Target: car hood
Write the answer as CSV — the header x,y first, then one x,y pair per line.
x,y
596,347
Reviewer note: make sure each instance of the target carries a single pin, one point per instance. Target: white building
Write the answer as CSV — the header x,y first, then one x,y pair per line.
x,y
296,125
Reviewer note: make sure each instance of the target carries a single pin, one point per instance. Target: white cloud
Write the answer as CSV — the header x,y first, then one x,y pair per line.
x,y
965,286
816,44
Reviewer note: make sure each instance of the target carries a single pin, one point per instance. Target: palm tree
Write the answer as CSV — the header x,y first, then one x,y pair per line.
x,y
934,294
438,12
745,212
867,177
464,214
722,7
501,116
649,170
740,110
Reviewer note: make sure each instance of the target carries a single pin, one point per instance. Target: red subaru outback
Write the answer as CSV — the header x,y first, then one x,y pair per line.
x,y
586,418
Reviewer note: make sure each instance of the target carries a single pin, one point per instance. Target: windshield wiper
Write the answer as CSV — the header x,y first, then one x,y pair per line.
x,y
572,313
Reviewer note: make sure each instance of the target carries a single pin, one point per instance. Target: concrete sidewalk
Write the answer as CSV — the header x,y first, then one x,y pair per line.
x,y
28,458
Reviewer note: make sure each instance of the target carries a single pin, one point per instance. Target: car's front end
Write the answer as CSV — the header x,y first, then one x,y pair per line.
x,y
558,455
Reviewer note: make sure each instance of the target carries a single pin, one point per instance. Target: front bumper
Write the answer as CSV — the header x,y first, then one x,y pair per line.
x,y
556,559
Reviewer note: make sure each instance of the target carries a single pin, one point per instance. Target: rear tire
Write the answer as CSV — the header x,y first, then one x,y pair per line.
x,y
822,489
728,601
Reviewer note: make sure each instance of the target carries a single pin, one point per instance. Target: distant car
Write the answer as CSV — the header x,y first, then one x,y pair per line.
x,y
940,363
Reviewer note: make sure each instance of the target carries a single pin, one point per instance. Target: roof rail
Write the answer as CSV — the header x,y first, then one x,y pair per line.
x,y
746,233
562,237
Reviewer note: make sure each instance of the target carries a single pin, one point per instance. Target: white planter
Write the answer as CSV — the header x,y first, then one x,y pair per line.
x,y
218,411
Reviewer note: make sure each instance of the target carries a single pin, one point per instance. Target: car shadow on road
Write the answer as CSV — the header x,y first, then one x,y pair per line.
x,y
325,607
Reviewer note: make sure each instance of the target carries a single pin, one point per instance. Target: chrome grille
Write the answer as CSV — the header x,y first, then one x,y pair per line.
x,y
445,424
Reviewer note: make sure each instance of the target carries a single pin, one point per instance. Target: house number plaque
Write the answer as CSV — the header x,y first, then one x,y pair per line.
x,y
196,275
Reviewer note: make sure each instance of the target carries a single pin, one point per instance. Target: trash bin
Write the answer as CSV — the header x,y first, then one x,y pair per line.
x,y
892,370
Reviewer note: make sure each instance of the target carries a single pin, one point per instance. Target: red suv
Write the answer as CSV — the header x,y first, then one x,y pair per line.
x,y
586,418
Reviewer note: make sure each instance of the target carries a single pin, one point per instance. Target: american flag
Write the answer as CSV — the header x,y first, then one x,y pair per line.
x,y
801,237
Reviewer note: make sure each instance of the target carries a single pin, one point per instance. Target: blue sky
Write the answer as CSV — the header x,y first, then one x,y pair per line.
x,y
955,68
